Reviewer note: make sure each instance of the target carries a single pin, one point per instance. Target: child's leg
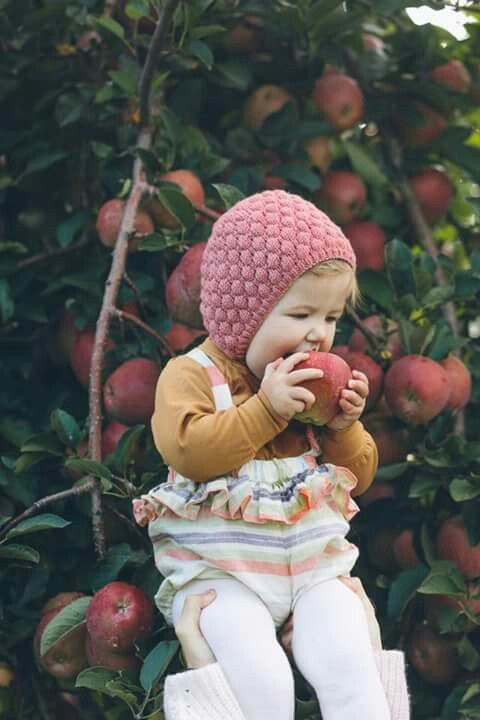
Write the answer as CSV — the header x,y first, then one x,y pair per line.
x,y
332,649
240,630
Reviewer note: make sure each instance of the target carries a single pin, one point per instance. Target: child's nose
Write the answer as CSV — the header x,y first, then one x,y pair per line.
x,y
317,333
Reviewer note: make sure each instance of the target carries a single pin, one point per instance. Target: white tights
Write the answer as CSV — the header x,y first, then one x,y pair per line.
x,y
331,647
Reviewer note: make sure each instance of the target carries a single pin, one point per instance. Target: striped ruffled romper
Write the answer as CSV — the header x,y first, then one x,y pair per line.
x,y
279,526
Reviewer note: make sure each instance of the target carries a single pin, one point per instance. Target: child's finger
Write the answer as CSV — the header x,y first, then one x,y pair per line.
x,y
359,387
303,395
299,376
292,360
358,375
354,398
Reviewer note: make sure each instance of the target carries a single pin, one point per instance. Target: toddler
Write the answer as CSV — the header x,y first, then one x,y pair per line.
x,y
256,505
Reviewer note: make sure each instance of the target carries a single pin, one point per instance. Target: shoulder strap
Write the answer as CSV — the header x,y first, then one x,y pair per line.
x,y
221,392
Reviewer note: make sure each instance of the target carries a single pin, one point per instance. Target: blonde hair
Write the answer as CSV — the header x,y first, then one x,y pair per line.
x,y
335,267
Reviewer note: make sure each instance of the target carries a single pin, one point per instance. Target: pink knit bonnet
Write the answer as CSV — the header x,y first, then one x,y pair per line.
x,y
256,251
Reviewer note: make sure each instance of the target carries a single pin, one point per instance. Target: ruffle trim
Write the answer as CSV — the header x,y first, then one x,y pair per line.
x,y
241,498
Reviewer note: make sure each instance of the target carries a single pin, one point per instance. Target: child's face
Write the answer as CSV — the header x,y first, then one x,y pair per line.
x,y
304,319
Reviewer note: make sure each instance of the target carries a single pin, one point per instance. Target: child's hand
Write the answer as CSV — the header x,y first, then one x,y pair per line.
x,y
352,402
280,385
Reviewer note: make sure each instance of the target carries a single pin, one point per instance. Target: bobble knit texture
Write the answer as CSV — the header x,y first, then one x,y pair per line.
x,y
255,253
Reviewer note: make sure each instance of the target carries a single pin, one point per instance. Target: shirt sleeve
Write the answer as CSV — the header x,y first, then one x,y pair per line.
x,y
195,439
355,449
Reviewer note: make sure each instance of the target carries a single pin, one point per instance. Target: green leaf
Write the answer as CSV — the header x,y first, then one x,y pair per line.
x,y
229,194
299,174
7,305
47,521
461,489
137,9
69,617
157,662
111,25
451,145
398,259
95,678
42,162
391,472
403,589
25,461
127,448
201,50
89,467
125,80
375,286
67,230
423,485
66,427
116,558
364,165
12,551
444,579
202,31
159,241
119,689
176,202
469,656
44,442
234,74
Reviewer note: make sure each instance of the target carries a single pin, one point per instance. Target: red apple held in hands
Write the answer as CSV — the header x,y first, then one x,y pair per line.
x,y
118,616
66,658
109,220
191,187
452,75
327,389
453,544
180,336
460,382
416,389
433,656
111,437
368,242
429,126
182,292
434,191
404,550
343,195
339,100
97,655
263,102
129,392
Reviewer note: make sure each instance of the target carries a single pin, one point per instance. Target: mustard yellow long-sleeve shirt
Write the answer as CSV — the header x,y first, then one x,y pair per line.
x,y
201,444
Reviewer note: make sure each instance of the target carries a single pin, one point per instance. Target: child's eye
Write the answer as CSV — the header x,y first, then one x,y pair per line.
x,y
332,319
299,316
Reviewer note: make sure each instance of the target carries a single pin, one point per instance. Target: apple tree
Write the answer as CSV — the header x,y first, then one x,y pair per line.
x,y
128,127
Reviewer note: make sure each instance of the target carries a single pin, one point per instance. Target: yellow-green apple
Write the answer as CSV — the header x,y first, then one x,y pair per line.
x,y
263,102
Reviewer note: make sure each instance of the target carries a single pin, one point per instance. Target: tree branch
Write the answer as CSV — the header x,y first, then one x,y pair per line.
x,y
49,500
57,252
372,337
150,66
117,270
208,212
122,315
426,239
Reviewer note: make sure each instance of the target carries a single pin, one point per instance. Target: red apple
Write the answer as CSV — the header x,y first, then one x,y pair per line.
x,y
62,342
387,332
433,656
264,101
111,437
129,392
380,549
103,657
118,616
343,195
327,389
81,355
434,191
66,658
109,220
368,242
429,126
180,336
190,186
372,43
460,382
453,544
404,550
452,75
377,491
182,292
391,441
435,604
246,36
373,371
416,389
339,100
